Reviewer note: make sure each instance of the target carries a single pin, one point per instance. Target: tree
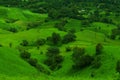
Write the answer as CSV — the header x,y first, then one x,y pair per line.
x,y
54,59
32,62
55,39
25,55
52,51
24,43
99,48
35,24
68,49
40,42
82,62
77,54
70,37
80,59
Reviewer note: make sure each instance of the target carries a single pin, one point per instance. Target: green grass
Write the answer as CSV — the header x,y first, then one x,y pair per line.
x,y
12,64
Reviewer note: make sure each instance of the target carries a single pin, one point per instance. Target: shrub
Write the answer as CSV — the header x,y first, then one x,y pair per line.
x,y
118,66
25,55
40,42
55,39
68,49
33,24
32,62
42,69
99,48
54,59
14,30
80,51
82,62
54,62
113,37
70,37
52,51
1,45
24,43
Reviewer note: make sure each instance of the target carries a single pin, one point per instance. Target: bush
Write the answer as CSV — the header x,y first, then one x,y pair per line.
x,y
54,62
14,30
83,61
24,43
99,49
42,69
68,49
32,62
118,66
40,42
54,59
55,39
31,25
52,51
1,45
113,37
80,60
80,51
70,37
25,55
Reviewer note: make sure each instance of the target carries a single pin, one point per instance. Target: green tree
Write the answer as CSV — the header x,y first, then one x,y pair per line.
x,y
70,37
54,59
55,39
24,43
99,48
25,55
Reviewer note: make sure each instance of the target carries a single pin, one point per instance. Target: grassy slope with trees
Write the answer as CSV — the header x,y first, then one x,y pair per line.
x,y
56,45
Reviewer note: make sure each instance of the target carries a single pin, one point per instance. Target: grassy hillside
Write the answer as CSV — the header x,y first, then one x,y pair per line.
x,y
13,67
12,64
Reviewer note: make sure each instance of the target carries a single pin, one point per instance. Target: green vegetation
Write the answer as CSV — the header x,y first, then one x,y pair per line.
x,y
59,40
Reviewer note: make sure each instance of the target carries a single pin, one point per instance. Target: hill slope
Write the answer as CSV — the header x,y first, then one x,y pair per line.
x,y
12,64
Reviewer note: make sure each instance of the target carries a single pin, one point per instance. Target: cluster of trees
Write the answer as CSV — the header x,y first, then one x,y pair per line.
x,y
115,33
54,59
63,8
82,60
56,39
